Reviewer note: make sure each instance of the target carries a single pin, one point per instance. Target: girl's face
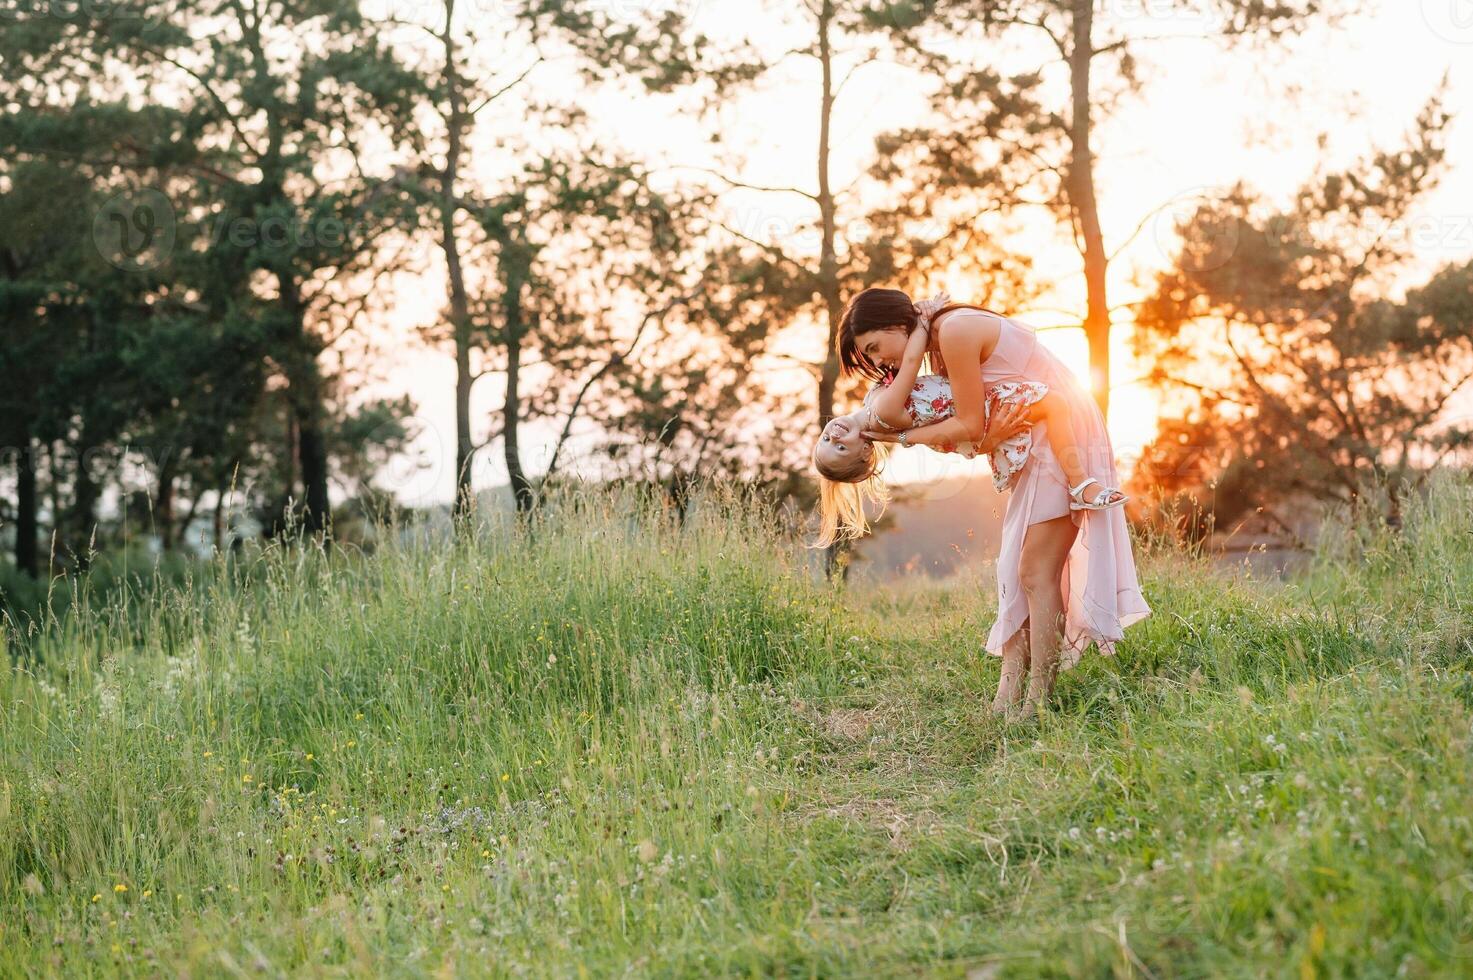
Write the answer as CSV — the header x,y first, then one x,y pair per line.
x,y
884,348
841,441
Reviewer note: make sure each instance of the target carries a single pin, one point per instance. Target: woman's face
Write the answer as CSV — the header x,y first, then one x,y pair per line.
x,y
841,441
883,348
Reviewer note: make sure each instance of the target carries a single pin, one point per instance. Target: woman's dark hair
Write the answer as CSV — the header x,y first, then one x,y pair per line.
x,y
878,309
872,309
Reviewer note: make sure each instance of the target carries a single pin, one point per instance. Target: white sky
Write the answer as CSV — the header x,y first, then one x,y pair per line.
x,y
1207,117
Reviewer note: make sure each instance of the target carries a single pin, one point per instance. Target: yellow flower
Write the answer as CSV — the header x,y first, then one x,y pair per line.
x,y
97,897
147,892
504,777
310,757
120,888
485,852
247,778
208,754
358,716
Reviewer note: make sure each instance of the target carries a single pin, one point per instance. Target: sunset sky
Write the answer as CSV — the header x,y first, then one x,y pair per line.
x,y
1206,118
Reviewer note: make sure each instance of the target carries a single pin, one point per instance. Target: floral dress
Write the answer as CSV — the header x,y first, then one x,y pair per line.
x,y
930,401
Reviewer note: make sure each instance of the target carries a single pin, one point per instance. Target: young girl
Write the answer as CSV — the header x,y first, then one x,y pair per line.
x,y
848,464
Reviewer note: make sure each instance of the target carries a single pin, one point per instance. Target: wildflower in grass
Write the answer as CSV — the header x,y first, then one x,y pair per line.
x,y
247,778
504,777
120,888
97,897
208,753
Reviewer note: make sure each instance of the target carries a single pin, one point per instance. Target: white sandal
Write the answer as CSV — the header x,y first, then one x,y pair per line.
x,y
1101,500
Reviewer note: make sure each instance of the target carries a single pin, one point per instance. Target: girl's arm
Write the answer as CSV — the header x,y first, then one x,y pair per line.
x,y
889,405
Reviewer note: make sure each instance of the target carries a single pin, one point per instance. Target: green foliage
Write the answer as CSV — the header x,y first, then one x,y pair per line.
x,y
1314,384
602,739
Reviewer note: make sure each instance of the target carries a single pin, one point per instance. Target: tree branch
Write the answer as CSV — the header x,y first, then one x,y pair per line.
x,y
745,186
506,88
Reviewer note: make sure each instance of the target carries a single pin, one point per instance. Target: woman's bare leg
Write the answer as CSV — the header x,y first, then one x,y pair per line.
x,y
1045,549
1014,667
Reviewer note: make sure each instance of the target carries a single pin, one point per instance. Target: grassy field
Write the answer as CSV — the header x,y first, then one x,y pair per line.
x,y
618,747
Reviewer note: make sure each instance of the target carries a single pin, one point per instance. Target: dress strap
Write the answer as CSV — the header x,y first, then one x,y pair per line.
x,y
874,419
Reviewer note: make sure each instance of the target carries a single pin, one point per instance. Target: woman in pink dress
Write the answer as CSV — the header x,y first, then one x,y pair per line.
x,y
1065,571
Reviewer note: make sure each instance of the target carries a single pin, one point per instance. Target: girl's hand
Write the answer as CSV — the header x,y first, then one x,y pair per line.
x,y
916,343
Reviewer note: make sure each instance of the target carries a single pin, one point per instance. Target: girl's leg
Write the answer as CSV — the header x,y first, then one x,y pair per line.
x,y
1054,412
1041,567
1014,667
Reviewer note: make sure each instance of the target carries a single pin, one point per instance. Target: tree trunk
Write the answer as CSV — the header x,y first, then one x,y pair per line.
x,y
182,527
1085,205
828,262
828,259
217,522
460,317
521,487
313,460
84,503
304,376
306,399
164,505
290,478
26,529
54,451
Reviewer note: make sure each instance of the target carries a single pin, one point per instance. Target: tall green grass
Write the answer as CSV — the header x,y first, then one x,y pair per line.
x,y
613,743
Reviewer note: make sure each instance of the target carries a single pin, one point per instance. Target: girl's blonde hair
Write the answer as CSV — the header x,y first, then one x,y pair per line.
x,y
842,492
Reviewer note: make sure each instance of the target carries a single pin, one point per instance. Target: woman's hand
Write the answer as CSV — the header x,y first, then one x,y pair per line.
x,y
1009,420
876,435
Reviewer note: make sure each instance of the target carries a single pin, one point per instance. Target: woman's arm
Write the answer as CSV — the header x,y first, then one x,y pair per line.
x,y
962,344
967,335
1009,420
889,404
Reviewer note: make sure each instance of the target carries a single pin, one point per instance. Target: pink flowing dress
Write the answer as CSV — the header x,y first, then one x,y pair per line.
x,y
1101,593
